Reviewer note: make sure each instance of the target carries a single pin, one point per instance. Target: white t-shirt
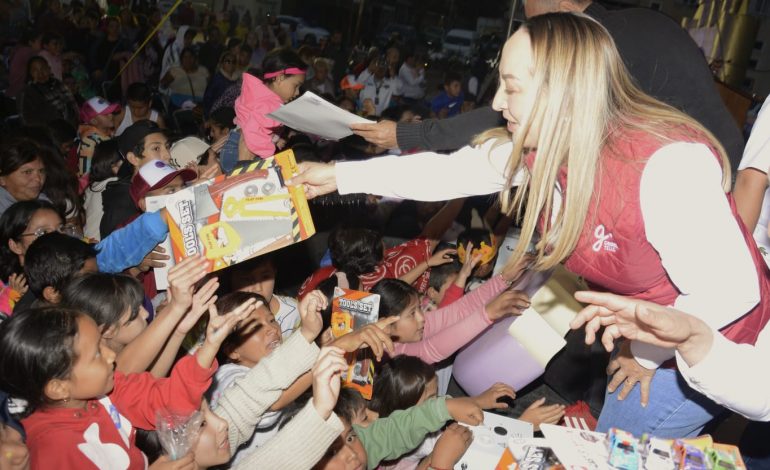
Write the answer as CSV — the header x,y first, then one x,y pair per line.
x,y
266,428
381,92
757,155
287,315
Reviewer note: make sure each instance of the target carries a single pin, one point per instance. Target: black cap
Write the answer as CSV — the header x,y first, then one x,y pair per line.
x,y
134,134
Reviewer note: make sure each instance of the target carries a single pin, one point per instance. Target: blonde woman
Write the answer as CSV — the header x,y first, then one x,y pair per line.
x,y
624,190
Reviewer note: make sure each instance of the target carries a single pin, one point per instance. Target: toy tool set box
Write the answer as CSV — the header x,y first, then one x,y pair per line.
x,y
234,217
352,310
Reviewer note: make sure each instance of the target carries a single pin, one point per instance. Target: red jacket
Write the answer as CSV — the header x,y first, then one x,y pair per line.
x,y
613,253
103,436
397,261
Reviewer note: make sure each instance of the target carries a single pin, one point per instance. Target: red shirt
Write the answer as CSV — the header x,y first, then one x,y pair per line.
x,y
104,435
397,261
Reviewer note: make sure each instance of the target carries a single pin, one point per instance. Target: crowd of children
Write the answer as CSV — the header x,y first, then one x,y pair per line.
x,y
98,355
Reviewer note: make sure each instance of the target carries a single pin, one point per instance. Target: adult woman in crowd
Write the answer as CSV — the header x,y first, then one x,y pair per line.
x,y
22,173
599,167
45,98
186,82
225,76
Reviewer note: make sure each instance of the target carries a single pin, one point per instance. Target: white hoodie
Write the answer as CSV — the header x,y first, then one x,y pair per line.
x,y
94,209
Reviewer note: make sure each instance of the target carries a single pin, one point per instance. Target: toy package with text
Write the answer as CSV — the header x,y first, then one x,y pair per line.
x,y
235,217
351,310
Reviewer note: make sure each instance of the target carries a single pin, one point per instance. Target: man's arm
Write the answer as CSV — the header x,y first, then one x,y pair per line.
x,y
447,134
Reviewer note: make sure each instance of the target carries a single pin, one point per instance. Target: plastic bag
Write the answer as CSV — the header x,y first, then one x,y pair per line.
x,y
178,433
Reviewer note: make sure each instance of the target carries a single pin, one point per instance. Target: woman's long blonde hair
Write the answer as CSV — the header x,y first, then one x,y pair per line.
x,y
585,93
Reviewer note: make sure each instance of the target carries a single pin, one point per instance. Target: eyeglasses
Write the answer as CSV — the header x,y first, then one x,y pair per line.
x,y
66,229
228,61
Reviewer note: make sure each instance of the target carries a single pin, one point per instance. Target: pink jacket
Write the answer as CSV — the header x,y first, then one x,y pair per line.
x,y
251,109
450,328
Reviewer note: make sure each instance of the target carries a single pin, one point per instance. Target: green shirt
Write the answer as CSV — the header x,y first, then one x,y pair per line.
x,y
402,431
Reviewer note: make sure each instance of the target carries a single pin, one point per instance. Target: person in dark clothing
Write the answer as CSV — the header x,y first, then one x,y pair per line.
x,y
659,54
212,50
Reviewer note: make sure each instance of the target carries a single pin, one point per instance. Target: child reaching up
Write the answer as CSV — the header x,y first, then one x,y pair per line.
x,y
83,414
116,303
436,335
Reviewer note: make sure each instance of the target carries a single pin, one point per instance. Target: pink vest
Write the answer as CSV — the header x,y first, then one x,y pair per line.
x,y
613,253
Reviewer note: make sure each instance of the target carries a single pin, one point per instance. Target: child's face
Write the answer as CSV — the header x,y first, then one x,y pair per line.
x,y
139,109
409,328
156,147
347,452
105,123
127,330
431,390
217,132
262,336
453,89
93,372
260,280
13,451
438,295
287,86
213,446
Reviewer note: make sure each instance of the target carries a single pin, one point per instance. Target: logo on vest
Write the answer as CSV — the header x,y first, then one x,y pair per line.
x,y
603,240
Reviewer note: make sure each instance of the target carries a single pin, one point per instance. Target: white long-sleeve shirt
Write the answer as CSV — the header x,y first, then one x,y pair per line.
x,y
687,218
733,375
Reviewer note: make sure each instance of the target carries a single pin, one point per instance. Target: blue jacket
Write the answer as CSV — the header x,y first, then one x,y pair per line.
x,y
127,247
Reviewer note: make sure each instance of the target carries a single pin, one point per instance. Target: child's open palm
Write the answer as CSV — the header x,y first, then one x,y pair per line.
x,y
202,300
182,278
219,327
326,379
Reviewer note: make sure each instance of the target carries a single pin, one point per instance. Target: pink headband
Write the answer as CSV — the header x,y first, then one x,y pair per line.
x,y
289,71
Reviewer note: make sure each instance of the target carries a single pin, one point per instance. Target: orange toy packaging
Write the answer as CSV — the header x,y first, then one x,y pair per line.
x,y
235,217
351,310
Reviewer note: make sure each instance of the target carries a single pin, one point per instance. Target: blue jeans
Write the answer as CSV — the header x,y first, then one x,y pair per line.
x,y
674,409
228,156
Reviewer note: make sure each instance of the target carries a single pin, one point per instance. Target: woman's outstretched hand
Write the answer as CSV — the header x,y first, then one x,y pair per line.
x,y
317,178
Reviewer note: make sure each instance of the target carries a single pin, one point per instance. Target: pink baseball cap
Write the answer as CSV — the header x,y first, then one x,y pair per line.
x,y
154,175
97,106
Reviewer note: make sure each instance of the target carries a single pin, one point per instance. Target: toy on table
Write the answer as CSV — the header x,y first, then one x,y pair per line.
x,y
623,450
658,454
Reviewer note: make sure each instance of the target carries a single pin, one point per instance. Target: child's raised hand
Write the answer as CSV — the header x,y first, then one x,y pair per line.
x,y
222,325
372,335
538,413
310,312
488,399
326,379
441,257
184,463
182,278
18,282
509,302
471,261
202,300
465,410
451,446
219,327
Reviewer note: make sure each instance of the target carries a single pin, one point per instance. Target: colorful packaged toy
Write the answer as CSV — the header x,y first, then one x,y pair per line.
x,y
351,310
623,450
236,217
